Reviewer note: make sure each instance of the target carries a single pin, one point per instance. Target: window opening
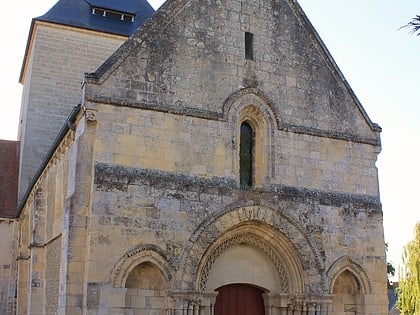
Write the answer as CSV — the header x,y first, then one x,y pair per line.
x,y
115,15
249,49
245,155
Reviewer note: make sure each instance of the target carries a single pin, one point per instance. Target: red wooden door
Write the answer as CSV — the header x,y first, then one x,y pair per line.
x,y
239,299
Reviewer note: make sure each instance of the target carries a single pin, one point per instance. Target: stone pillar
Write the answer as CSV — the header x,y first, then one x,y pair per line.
x,y
193,303
276,304
208,300
326,307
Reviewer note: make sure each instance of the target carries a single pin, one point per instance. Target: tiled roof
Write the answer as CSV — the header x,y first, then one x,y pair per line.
x,y
79,13
9,170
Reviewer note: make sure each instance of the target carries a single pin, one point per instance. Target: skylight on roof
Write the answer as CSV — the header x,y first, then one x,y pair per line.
x,y
115,15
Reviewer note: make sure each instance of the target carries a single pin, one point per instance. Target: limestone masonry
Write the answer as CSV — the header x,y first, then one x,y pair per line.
x,y
216,161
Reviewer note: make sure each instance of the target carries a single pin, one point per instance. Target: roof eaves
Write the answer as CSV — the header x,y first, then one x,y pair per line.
x,y
27,51
71,119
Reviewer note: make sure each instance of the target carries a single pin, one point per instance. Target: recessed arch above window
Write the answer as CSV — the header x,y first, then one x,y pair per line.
x,y
250,108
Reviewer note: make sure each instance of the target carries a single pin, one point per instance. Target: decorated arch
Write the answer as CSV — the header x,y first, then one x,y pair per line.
x,y
281,240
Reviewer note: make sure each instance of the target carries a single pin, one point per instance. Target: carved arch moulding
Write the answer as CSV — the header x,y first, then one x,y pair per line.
x,y
141,254
251,106
238,101
346,263
272,231
247,239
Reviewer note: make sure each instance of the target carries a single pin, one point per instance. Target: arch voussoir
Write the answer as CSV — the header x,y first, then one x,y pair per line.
x,y
277,235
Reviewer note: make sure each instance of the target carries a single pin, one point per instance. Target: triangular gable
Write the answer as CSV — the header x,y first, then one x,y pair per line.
x,y
190,57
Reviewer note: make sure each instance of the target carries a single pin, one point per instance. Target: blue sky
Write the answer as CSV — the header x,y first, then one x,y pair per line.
x,y
379,61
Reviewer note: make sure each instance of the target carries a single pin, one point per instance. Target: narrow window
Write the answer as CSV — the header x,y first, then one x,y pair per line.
x,y
249,49
245,155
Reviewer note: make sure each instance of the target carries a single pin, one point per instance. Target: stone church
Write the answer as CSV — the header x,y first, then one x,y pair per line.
x,y
207,158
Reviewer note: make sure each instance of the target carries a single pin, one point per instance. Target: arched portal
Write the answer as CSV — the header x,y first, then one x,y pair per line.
x,y
245,263
239,299
254,247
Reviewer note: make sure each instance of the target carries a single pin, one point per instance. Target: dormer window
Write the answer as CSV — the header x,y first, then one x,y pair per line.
x,y
115,15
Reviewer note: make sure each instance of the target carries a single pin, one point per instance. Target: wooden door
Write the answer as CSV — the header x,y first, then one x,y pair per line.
x,y
239,299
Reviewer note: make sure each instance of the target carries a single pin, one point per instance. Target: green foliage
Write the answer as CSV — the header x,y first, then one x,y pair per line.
x,y
414,25
390,269
409,275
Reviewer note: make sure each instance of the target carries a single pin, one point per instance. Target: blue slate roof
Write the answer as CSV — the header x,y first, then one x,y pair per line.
x,y
78,13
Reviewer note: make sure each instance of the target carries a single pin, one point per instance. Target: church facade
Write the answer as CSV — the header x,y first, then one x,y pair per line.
x,y
217,163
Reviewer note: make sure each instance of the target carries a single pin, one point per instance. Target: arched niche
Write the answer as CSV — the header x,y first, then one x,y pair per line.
x,y
346,293
348,265
349,284
144,272
146,275
144,258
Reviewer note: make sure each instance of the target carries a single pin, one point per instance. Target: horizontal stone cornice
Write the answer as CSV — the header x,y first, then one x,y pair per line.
x,y
110,177
211,115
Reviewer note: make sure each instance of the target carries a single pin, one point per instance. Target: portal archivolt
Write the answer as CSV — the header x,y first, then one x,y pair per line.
x,y
249,257
251,253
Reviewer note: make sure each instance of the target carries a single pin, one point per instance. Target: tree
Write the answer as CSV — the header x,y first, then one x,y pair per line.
x,y
414,25
390,270
409,275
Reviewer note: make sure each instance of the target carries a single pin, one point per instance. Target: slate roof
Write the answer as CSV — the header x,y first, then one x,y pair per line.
x,y
78,13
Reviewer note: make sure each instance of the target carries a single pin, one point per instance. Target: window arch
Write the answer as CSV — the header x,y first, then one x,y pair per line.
x,y
252,107
246,159
252,148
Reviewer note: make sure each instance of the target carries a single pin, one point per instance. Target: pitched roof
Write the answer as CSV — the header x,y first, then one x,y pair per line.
x,y
9,170
89,14
122,17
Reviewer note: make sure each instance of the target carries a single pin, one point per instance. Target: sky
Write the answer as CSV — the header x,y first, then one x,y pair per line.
x,y
379,60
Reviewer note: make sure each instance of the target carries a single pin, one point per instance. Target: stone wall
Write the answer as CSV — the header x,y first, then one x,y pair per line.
x,y
188,62
143,197
52,81
43,236
180,217
8,272
204,147
167,108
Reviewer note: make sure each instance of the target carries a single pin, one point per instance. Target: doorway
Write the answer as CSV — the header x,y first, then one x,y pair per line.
x,y
239,299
